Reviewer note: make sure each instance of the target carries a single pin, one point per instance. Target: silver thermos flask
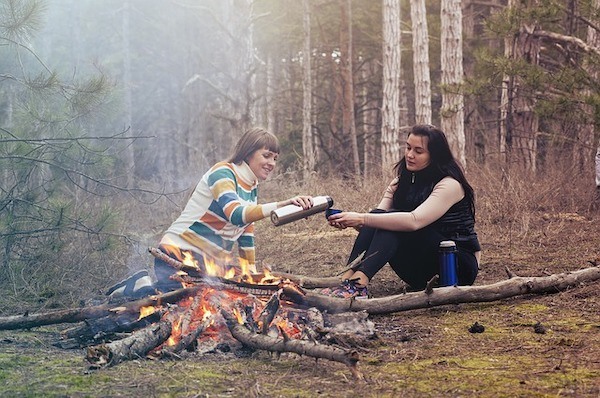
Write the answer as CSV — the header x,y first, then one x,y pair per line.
x,y
290,213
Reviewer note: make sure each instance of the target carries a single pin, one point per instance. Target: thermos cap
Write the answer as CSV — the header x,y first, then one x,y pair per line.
x,y
447,244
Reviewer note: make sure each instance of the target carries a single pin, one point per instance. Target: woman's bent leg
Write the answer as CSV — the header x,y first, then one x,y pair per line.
x,y
163,271
417,259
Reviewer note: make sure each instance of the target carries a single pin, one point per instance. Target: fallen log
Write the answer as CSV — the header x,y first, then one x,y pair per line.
x,y
274,344
138,345
74,315
515,286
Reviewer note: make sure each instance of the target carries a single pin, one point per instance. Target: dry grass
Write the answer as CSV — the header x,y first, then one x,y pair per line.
x,y
535,226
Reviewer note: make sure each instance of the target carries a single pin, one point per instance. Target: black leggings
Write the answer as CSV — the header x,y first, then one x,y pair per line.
x,y
412,255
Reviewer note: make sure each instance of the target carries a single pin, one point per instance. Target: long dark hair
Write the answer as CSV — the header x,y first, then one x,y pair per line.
x,y
442,160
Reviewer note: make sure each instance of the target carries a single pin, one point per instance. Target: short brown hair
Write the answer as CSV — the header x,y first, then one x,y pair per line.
x,y
253,140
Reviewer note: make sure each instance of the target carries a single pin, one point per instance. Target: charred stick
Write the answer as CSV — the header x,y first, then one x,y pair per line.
x,y
174,262
301,347
187,342
138,345
269,311
94,331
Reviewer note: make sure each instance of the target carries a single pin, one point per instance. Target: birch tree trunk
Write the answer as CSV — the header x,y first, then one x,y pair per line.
x,y
348,115
420,45
392,77
307,134
593,40
452,113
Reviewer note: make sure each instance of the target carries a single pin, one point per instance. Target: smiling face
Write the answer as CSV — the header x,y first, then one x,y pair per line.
x,y
417,153
262,162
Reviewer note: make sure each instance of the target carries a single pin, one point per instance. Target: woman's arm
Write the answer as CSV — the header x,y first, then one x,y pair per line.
x,y
223,188
388,196
445,194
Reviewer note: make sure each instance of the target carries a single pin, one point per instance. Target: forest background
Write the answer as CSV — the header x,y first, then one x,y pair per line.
x,y
110,111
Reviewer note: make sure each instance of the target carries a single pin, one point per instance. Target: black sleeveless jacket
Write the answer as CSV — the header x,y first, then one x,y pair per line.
x,y
457,224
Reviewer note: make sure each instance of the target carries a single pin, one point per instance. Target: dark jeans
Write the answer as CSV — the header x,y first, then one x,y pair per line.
x,y
163,271
412,255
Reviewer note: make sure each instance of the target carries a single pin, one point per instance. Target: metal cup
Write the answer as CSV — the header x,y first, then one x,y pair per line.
x,y
330,212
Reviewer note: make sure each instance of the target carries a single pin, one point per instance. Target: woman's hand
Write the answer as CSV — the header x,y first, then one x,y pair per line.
x,y
347,219
303,201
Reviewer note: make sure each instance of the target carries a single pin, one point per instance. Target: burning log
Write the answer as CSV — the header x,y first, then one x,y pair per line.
x,y
274,344
74,315
515,286
188,341
95,331
308,282
138,345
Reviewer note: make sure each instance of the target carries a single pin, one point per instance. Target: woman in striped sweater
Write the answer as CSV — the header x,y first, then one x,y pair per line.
x,y
220,214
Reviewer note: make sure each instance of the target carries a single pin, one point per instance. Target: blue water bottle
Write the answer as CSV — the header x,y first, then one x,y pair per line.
x,y
448,263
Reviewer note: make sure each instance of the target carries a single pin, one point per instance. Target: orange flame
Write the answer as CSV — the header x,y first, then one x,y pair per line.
x,y
238,316
175,332
145,311
212,269
189,260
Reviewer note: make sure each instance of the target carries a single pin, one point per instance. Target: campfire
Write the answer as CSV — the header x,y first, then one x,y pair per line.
x,y
220,309
218,306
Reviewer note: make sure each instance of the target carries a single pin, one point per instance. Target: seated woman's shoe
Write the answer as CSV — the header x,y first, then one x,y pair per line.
x,y
136,286
347,289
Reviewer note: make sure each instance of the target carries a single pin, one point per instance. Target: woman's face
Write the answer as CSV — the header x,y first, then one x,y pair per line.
x,y
262,162
416,153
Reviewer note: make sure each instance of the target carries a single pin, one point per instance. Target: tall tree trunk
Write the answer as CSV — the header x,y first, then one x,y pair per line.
x,y
307,133
520,122
348,115
235,108
420,45
369,120
127,85
593,40
452,113
506,99
525,119
392,77
271,84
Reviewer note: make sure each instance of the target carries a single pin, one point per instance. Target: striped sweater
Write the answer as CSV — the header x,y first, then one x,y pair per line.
x,y
220,212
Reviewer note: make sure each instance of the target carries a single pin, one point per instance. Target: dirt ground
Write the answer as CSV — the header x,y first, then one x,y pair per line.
x,y
425,352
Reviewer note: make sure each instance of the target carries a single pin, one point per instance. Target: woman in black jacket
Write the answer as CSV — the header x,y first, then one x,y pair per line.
x,y
429,201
